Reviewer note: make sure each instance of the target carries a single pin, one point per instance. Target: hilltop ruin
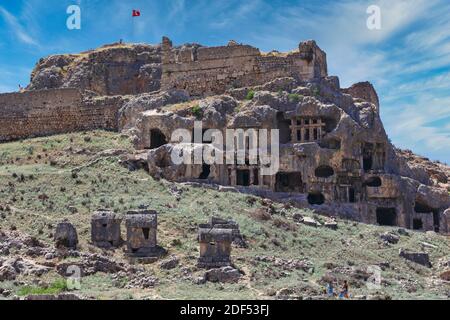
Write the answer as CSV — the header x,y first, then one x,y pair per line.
x,y
335,156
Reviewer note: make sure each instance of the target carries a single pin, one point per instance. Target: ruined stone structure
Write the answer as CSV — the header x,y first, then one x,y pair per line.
x,y
213,70
215,246
141,228
334,155
60,97
220,223
105,229
46,112
66,236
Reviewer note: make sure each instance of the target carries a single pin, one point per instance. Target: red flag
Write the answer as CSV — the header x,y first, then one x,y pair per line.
x,y
136,13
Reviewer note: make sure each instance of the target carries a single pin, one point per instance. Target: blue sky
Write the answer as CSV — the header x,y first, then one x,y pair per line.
x,y
408,60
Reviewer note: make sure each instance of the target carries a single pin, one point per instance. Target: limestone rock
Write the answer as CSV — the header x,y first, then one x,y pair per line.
x,y
364,91
7,272
92,263
331,225
390,237
169,263
311,222
225,274
109,70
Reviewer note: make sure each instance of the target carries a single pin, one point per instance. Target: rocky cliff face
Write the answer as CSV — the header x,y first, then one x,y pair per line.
x,y
335,156
116,69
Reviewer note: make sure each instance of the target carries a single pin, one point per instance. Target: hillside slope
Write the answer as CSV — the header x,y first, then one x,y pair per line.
x,y
45,180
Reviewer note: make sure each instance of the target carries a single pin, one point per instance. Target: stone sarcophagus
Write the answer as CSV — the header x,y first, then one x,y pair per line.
x,y
215,246
105,229
221,223
66,235
141,233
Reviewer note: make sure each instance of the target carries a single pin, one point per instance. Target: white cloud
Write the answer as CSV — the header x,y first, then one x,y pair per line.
x,y
411,126
16,28
400,63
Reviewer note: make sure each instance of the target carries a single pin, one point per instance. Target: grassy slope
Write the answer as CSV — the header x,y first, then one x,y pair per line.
x,y
47,166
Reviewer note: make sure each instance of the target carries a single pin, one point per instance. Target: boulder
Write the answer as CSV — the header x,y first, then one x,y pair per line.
x,y
7,272
421,258
169,263
331,225
311,222
390,237
445,275
226,274
297,217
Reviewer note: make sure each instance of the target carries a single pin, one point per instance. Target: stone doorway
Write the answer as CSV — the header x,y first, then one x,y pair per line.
x,y
243,177
420,207
284,125
289,182
387,216
206,170
417,224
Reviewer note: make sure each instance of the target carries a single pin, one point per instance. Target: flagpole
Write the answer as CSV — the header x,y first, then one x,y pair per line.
x,y
132,27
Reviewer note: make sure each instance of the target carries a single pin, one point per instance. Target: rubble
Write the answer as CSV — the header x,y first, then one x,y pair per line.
x,y
224,275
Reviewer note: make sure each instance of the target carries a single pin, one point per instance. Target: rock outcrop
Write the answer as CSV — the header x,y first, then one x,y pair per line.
x,y
110,70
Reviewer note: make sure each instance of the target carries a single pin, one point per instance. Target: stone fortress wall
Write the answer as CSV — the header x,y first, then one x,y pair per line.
x,y
213,70
44,112
199,70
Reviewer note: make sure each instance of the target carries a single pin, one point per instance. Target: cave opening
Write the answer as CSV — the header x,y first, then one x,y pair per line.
x,y
157,138
374,182
324,172
316,198
206,170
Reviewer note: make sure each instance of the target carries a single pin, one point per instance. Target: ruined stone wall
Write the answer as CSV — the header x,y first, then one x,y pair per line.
x,y
45,112
213,70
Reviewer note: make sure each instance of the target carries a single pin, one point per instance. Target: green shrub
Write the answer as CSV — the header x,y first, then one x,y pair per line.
x,y
316,92
56,287
294,97
250,95
197,111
